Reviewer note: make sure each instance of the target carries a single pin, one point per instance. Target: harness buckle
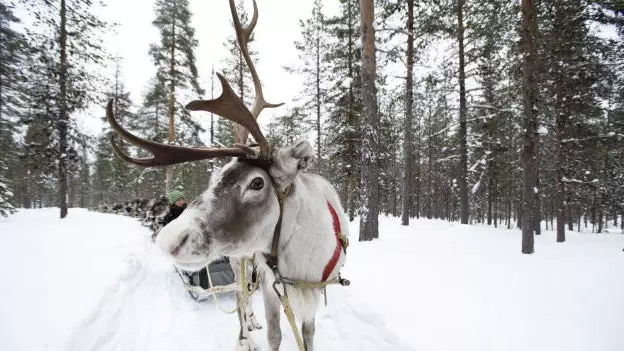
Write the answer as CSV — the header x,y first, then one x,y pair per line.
x,y
345,242
278,281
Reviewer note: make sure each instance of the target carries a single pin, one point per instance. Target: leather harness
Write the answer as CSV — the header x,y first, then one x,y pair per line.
x,y
342,242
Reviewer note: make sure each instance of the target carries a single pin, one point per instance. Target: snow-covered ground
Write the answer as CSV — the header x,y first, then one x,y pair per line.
x,y
95,282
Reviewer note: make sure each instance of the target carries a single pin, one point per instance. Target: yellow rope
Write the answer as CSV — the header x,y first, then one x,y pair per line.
x,y
214,296
311,285
245,293
291,319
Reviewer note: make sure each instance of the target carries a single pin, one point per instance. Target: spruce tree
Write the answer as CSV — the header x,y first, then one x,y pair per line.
x,y
369,223
312,49
68,49
343,127
12,51
530,156
176,73
114,179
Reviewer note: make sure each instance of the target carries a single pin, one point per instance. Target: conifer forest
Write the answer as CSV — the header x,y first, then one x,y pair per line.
x,y
492,112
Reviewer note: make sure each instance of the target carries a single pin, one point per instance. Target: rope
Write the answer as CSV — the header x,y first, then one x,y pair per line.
x,y
288,310
312,285
291,319
213,290
214,296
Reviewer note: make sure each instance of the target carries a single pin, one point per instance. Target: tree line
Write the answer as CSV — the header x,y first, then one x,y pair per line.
x,y
495,112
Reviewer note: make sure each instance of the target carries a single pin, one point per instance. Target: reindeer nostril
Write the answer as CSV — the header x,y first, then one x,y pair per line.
x,y
176,250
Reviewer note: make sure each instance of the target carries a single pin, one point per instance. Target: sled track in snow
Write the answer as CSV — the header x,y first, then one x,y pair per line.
x,y
99,329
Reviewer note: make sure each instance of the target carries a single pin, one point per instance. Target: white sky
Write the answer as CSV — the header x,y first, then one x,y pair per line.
x,y
275,33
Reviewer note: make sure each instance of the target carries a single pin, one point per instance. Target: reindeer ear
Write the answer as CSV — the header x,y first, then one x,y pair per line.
x,y
303,153
289,161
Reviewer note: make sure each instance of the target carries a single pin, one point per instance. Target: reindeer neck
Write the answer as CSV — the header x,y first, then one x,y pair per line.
x,y
306,239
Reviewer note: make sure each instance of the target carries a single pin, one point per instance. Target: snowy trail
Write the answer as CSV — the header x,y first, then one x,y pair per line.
x,y
95,282
133,299
143,309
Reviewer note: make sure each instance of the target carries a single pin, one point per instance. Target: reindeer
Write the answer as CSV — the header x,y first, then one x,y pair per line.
x,y
262,203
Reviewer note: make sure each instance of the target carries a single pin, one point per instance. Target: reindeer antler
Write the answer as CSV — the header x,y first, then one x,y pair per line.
x,y
229,105
165,154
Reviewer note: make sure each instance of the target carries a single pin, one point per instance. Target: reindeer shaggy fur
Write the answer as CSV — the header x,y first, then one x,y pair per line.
x,y
236,216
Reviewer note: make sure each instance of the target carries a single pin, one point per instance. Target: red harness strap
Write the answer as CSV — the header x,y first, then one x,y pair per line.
x,y
334,259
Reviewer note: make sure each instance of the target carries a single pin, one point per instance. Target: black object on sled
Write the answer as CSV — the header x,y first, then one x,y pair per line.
x,y
221,273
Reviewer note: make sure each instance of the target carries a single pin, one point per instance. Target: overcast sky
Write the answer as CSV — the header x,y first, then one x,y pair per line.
x,y
275,33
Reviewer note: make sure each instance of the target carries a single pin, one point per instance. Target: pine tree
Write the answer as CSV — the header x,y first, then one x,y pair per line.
x,y
530,156
176,73
407,140
312,49
289,128
12,50
69,47
571,91
114,179
343,127
369,223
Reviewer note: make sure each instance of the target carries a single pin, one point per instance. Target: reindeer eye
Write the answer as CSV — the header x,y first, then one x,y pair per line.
x,y
257,183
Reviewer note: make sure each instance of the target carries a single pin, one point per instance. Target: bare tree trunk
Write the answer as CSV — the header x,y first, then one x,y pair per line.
x,y
489,207
169,176
530,157
416,192
538,208
497,217
350,113
511,172
369,225
572,209
63,123
432,199
319,160
579,223
212,75
560,196
407,143
463,130
600,222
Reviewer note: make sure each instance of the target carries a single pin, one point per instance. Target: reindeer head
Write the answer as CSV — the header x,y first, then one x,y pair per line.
x,y
238,212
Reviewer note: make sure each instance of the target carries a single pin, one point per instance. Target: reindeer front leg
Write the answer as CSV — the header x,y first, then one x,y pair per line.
x,y
250,318
307,331
245,341
272,311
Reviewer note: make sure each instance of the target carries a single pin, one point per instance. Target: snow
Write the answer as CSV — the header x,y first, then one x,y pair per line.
x,y
346,83
476,186
95,282
541,130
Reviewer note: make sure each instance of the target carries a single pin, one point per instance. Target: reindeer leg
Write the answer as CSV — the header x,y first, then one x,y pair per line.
x,y
245,342
250,317
307,332
249,320
272,311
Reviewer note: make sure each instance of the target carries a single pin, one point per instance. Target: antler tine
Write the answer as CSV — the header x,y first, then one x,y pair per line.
x,y
164,154
243,36
230,106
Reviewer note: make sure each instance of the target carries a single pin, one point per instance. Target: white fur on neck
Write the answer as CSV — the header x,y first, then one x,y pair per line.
x,y
307,241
